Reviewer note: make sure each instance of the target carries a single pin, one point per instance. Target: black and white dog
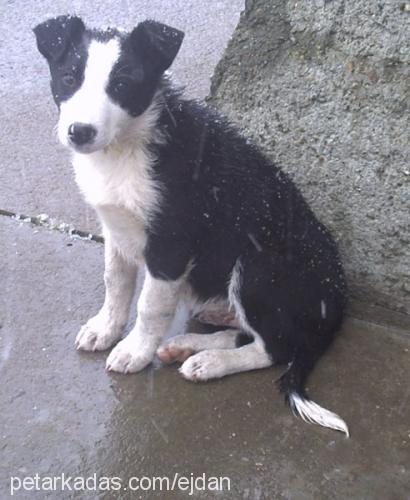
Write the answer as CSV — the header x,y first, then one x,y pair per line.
x,y
181,193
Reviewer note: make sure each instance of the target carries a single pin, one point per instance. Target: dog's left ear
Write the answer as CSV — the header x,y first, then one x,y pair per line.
x,y
157,44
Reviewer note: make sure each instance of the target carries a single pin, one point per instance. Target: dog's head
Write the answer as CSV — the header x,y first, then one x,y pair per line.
x,y
102,80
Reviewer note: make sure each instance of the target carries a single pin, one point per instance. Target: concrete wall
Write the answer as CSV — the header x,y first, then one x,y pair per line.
x,y
323,87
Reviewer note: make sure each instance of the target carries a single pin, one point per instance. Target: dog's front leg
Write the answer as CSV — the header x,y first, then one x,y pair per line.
x,y
104,329
156,310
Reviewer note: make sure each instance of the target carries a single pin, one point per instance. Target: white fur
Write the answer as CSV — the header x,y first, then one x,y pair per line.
x,y
216,363
156,310
91,104
313,413
235,303
114,173
104,329
234,287
117,183
114,176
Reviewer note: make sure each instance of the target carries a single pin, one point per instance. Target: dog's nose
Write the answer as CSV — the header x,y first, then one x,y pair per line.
x,y
81,133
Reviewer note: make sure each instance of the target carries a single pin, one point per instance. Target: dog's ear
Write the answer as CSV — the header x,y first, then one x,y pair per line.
x,y
54,35
157,44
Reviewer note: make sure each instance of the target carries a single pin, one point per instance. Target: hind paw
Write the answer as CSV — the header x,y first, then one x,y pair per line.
x,y
174,351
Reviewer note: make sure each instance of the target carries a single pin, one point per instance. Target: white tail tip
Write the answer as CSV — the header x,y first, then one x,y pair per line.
x,y
313,413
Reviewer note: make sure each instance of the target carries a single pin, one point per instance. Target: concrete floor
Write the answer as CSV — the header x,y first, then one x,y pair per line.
x,y
63,413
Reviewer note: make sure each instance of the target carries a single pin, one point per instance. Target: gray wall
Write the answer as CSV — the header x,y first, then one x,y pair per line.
x,y
323,87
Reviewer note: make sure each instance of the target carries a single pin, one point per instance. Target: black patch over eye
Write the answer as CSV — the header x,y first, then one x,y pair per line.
x,y
69,80
128,85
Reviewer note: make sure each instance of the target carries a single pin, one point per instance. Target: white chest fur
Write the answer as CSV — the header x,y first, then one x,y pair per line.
x,y
118,184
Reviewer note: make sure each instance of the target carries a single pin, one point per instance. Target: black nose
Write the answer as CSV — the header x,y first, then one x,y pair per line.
x,y
81,133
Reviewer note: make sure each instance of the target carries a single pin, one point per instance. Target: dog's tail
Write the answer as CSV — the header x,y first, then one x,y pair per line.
x,y
291,384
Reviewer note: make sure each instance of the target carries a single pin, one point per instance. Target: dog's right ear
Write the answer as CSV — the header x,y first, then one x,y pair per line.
x,y
157,43
54,35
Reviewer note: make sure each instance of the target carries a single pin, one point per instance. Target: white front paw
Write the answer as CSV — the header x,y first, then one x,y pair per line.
x,y
129,356
97,335
203,366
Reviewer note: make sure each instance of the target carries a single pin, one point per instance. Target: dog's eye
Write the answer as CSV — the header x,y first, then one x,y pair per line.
x,y
120,86
69,80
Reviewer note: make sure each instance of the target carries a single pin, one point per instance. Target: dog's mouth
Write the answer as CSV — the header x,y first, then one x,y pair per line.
x,y
87,148
99,142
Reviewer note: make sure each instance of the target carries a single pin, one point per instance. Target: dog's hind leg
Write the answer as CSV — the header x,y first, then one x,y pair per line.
x,y
216,363
179,348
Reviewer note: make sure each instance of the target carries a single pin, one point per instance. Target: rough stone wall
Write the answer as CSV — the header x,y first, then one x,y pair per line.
x,y
323,87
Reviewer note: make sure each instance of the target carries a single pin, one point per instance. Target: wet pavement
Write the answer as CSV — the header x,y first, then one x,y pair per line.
x,y
62,413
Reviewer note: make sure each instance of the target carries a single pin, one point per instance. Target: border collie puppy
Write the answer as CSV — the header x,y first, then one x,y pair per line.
x,y
180,193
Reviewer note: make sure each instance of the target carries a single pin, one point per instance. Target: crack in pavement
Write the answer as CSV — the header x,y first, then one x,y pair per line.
x,y
44,220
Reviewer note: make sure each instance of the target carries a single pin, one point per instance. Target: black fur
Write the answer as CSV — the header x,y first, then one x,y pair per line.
x,y
146,53
63,41
223,200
